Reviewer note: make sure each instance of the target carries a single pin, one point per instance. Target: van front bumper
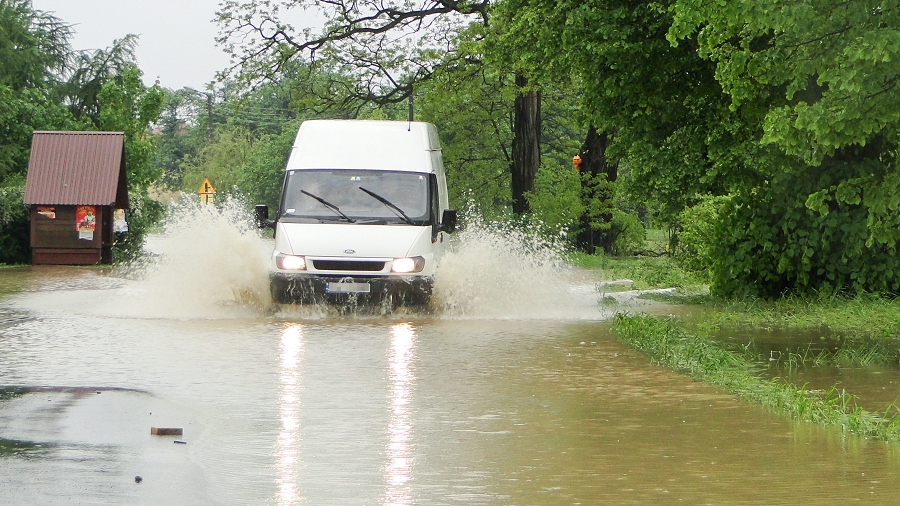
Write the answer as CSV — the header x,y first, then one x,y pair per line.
x,y
305,288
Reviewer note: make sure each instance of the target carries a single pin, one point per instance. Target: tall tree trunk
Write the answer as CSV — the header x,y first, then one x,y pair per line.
x,y
597,192
526,144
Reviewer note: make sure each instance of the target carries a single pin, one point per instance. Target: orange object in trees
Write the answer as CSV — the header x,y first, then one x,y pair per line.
x,y
576,161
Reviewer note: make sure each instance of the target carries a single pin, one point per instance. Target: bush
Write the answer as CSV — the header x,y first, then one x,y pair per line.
x,y
556,201
14,226
694,244
144,214
822,229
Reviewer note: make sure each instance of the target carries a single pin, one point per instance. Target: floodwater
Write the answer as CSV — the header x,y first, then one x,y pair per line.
x,y
512,391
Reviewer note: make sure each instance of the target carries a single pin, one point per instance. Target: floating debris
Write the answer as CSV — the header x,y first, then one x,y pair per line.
x,y
166,431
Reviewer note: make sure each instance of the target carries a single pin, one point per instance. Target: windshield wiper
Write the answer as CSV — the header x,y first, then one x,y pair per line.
x,y
329,205
390,205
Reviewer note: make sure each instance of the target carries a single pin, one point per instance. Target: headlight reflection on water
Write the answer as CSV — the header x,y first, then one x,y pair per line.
x,y
287,448
397,470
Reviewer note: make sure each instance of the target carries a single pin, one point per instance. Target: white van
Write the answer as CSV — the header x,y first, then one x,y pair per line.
x,y
364,214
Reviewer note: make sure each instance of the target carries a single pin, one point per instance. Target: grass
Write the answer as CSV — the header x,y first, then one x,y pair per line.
x,y
710,361
646,272
862,316
856,352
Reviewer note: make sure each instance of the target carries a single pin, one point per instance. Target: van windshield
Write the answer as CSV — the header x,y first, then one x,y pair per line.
x,y
357,196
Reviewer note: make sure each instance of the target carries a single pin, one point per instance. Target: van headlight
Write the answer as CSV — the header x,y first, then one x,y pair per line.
x,y
290,262
405,265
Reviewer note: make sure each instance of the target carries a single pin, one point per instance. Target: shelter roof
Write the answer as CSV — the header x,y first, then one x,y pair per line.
x,y
77,168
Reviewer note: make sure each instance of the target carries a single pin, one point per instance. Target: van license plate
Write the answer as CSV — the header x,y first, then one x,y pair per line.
x,y
347,288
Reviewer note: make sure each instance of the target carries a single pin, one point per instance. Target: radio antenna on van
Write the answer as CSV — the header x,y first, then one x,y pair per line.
x,y
409,128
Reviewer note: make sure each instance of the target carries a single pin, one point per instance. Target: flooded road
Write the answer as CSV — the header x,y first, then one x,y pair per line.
x,y
526,405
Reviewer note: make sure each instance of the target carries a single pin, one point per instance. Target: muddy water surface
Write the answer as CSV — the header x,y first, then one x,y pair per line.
x,y
531,402
289,408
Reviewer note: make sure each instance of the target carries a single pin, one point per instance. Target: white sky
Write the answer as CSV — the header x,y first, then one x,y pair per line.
x,y
176,41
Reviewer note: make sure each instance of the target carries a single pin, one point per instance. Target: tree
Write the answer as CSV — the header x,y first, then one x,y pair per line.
x,y
126,105
473,108
379,51
34,46
90,71
654,107
824,76
34,49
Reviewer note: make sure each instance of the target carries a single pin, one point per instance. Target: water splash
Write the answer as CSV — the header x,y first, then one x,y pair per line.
x,y
210,262
499,270
213,263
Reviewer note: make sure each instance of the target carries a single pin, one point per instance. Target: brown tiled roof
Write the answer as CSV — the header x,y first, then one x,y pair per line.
x,y
71,168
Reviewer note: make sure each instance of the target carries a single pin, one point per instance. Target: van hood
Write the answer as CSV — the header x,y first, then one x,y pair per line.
x,y
336,240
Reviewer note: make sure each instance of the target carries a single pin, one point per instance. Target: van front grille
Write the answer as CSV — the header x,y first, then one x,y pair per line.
x,y
347,265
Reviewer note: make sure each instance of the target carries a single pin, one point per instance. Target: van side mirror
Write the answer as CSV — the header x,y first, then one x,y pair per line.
x,y
448,221
262,217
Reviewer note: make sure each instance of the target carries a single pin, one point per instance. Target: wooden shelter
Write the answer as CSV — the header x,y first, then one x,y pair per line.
x,y
75,182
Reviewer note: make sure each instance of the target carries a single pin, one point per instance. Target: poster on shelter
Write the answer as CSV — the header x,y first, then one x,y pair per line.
x,y
47,212
119,223
86,222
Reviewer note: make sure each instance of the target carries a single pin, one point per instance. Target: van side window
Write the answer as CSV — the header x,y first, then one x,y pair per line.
x,y
434,197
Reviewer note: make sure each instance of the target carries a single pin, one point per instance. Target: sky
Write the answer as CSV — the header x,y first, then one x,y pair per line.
x,y
176,43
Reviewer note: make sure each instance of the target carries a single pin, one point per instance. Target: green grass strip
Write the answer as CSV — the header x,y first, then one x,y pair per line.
x,y
860,315
706,360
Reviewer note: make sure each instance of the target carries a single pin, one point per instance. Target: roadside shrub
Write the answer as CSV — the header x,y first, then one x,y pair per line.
x,y
697,237
825,229
14,226
143,215
630,235
555,201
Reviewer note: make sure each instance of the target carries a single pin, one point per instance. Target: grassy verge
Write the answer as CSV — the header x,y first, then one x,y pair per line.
x,y
863,315
709,361
646,272
852,330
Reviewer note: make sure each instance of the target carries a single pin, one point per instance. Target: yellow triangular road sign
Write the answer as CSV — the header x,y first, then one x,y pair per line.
x,y
206,188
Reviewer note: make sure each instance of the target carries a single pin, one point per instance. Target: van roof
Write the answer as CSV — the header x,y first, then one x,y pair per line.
x,y
364,144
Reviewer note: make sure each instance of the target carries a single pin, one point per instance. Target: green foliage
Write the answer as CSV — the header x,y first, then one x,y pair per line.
x,y
696,240
126,105
556,201
176,139
33,46
240,164
220,160
828,68
14,226
646,272
789,109
262,177
472,110
770,242
91,72
616,231
21,113
130,107
823,76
